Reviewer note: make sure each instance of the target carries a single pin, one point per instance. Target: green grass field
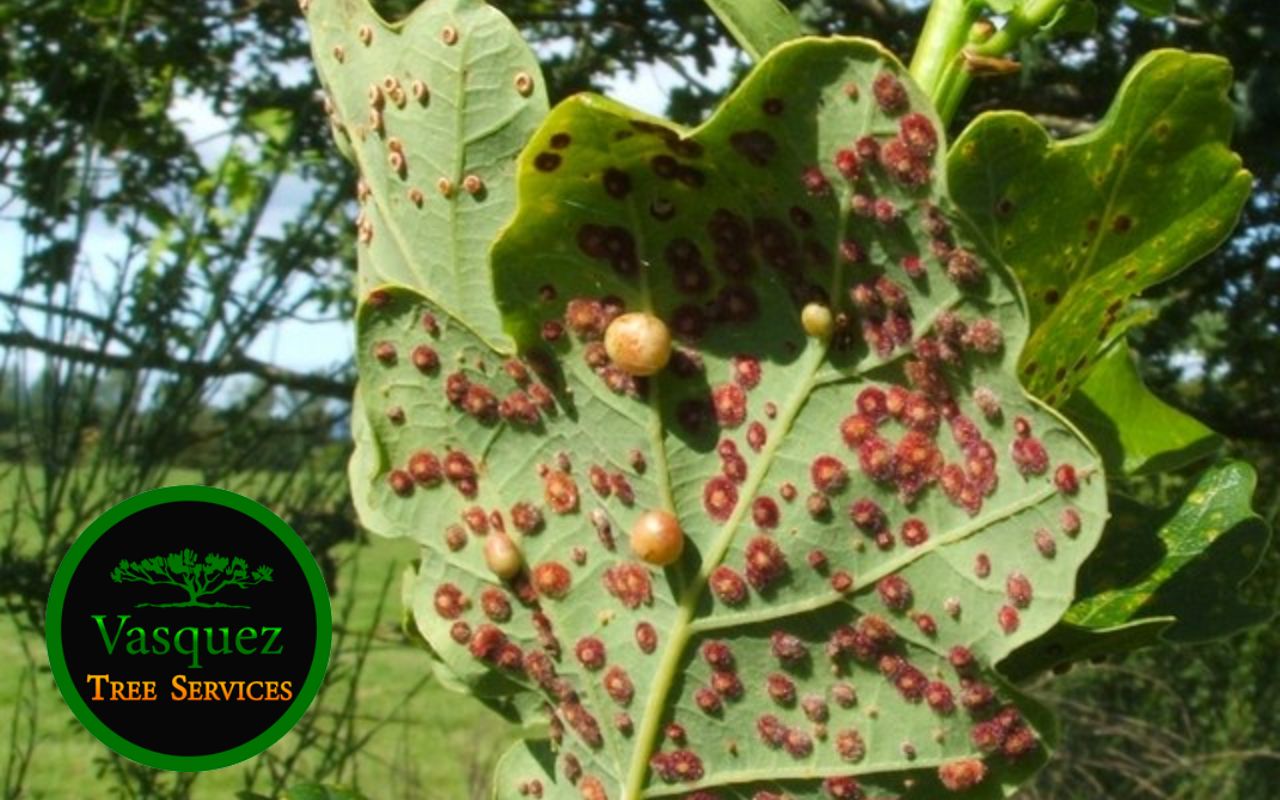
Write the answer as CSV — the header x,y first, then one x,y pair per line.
x,y
436,744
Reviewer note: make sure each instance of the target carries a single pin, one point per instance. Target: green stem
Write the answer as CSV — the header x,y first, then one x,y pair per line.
x,y
1023,22
939,65
945,34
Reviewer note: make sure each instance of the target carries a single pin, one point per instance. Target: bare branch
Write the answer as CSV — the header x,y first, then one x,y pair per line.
x,y
317,384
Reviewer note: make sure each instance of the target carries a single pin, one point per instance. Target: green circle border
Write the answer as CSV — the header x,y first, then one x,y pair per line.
x,y
319,596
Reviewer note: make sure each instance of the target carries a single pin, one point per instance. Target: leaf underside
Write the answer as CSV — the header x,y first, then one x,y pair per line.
x,y
432,110
725,232
758,26
1090,222
1151,190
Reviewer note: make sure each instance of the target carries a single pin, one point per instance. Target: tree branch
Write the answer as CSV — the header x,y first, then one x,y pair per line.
x,y
128,575
200,583
103,326
316,384
239,583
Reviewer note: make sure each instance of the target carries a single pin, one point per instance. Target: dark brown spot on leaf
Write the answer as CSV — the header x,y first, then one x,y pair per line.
x,y
685,148
691,177
800,217
664,166
756,146
617,183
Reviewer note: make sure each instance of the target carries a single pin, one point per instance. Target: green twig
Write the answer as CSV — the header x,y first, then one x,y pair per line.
x,y
938,51
953,45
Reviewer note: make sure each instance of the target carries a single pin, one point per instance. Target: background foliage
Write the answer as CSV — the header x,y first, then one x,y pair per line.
x,y
150,267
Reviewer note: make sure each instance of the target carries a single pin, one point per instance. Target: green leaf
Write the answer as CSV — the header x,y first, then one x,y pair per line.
x,y
1206,547
241,182
274,123
758,26
1136,432
1162,575
1089,223
1153,8
449,95
726,232
1074,17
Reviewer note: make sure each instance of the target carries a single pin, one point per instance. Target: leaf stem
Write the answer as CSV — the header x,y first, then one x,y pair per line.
x,y
940,65
1024,20
938,51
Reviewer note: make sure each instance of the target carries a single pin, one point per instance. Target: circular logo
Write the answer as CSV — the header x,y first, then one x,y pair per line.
x,y
188,628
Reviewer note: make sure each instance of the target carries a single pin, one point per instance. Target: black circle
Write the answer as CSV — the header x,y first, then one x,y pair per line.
x,y
118,611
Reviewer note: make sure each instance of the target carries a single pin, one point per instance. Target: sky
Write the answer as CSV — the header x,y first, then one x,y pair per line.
x,y
295,345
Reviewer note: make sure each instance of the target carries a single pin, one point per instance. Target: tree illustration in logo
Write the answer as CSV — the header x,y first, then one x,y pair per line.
x,y
197,578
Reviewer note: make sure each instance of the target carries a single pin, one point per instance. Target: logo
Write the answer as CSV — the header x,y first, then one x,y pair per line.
x,y
197,578
188,628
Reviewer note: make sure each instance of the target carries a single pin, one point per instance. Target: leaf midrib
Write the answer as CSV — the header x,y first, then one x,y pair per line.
x,y
776,773
682,628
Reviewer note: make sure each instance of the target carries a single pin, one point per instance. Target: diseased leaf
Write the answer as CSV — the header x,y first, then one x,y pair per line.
x,y
532,764
1162,574
758,26
521,765
1090,222
854,504
1136,432
1152,189
432,110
